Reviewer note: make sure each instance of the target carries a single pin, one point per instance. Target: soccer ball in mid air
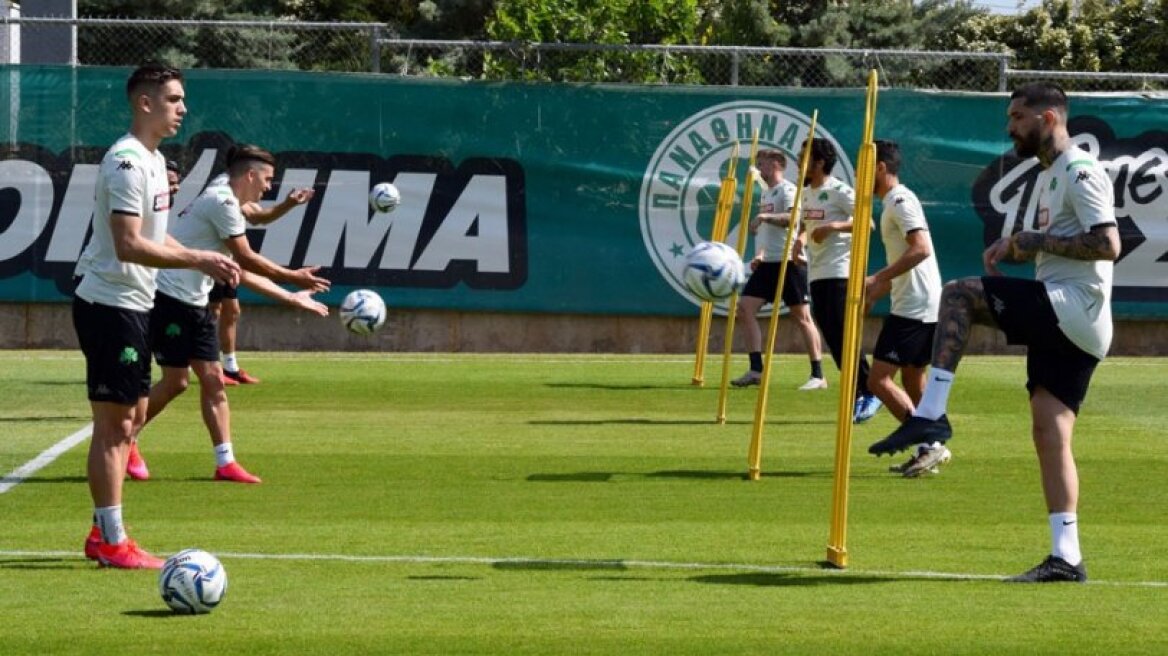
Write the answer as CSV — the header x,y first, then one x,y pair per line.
x,y
713,271
192,582
363,312
384,197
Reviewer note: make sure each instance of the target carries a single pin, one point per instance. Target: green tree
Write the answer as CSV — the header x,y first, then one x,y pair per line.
x,y
612,22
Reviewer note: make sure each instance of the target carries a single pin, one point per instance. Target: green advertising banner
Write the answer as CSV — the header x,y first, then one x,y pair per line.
x,y
541,198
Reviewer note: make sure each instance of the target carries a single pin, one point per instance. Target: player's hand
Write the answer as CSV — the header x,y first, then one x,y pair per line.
x,y
998,251
222,268
306,278
303,300
756,175
820,233
874,290
301,196
754,263
755,223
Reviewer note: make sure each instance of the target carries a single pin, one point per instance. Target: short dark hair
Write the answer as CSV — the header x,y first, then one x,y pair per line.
x,y
773,154
172,165
1041,95
242,156
150,76
822,150
889,153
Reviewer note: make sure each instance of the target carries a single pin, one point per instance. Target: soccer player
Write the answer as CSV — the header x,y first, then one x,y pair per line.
x,y
113,299
770,229
135,466
828,204
182,329
225,300
1063,316
914,281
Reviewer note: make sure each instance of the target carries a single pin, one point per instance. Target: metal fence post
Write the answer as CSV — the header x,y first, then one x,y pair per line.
x,y
375,49
734,67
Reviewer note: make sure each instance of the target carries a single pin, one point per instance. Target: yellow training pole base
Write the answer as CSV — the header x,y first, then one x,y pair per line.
x,y
837,557
753,474
697,382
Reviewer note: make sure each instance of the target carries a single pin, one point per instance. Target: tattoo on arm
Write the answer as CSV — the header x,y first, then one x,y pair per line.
x,y
1100,243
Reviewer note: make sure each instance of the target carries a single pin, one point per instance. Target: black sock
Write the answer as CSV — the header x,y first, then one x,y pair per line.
x,y
756,360
817,368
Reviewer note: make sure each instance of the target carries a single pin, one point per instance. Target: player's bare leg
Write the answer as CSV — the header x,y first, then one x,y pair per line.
x,y
113,426
217,417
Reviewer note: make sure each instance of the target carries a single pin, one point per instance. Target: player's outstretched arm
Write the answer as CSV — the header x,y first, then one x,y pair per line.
x,y
304,278
302,299
257,214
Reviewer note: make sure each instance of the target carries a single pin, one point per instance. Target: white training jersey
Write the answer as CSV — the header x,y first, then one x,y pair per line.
x,y
832,201
205,224
770,238
916,293
131,180
1075,195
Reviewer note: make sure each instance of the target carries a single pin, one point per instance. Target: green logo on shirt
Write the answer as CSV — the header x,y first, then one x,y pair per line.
x,y
823,196
1053,183
129,355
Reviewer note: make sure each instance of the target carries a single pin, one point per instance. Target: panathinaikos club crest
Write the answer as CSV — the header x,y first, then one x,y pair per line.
x,y
679,192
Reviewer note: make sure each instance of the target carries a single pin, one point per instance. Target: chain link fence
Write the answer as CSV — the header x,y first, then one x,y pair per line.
x,y
369,47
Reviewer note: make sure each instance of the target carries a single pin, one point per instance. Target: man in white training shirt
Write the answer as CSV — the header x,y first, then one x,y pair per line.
x,y
913,280
182,326
1063,316
770,238
828,205
112,303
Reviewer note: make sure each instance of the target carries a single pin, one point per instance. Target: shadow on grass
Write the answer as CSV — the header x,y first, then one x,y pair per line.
x,y
629,421
51,479
691,474
573,477
792,579
83,418
438,577
636,421
42,563
60,383
156,613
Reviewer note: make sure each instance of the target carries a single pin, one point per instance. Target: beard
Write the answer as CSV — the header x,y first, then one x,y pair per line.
x,y
1027,145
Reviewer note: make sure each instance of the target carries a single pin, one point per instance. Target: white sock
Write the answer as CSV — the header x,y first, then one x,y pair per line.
x,y
1064,537
224,455
936,397
230,363
108,520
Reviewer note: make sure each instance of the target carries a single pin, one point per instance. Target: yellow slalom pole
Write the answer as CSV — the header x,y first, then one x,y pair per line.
x,y
754,455
743,228
721,226
837,553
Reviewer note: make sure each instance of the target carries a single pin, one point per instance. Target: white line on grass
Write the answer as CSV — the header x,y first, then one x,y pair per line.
x,y
46,457
604,563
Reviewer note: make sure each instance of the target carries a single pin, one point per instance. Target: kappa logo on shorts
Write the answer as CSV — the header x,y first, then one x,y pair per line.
x,y
679,191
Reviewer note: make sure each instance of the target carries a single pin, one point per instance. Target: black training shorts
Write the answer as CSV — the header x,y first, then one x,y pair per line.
x,y
1023,311
117,354
765,279
180,333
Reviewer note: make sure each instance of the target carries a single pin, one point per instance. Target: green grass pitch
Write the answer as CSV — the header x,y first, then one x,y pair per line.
x,y
442,504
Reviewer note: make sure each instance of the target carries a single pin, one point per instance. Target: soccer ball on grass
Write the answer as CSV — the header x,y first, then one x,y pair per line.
x,y
193,582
